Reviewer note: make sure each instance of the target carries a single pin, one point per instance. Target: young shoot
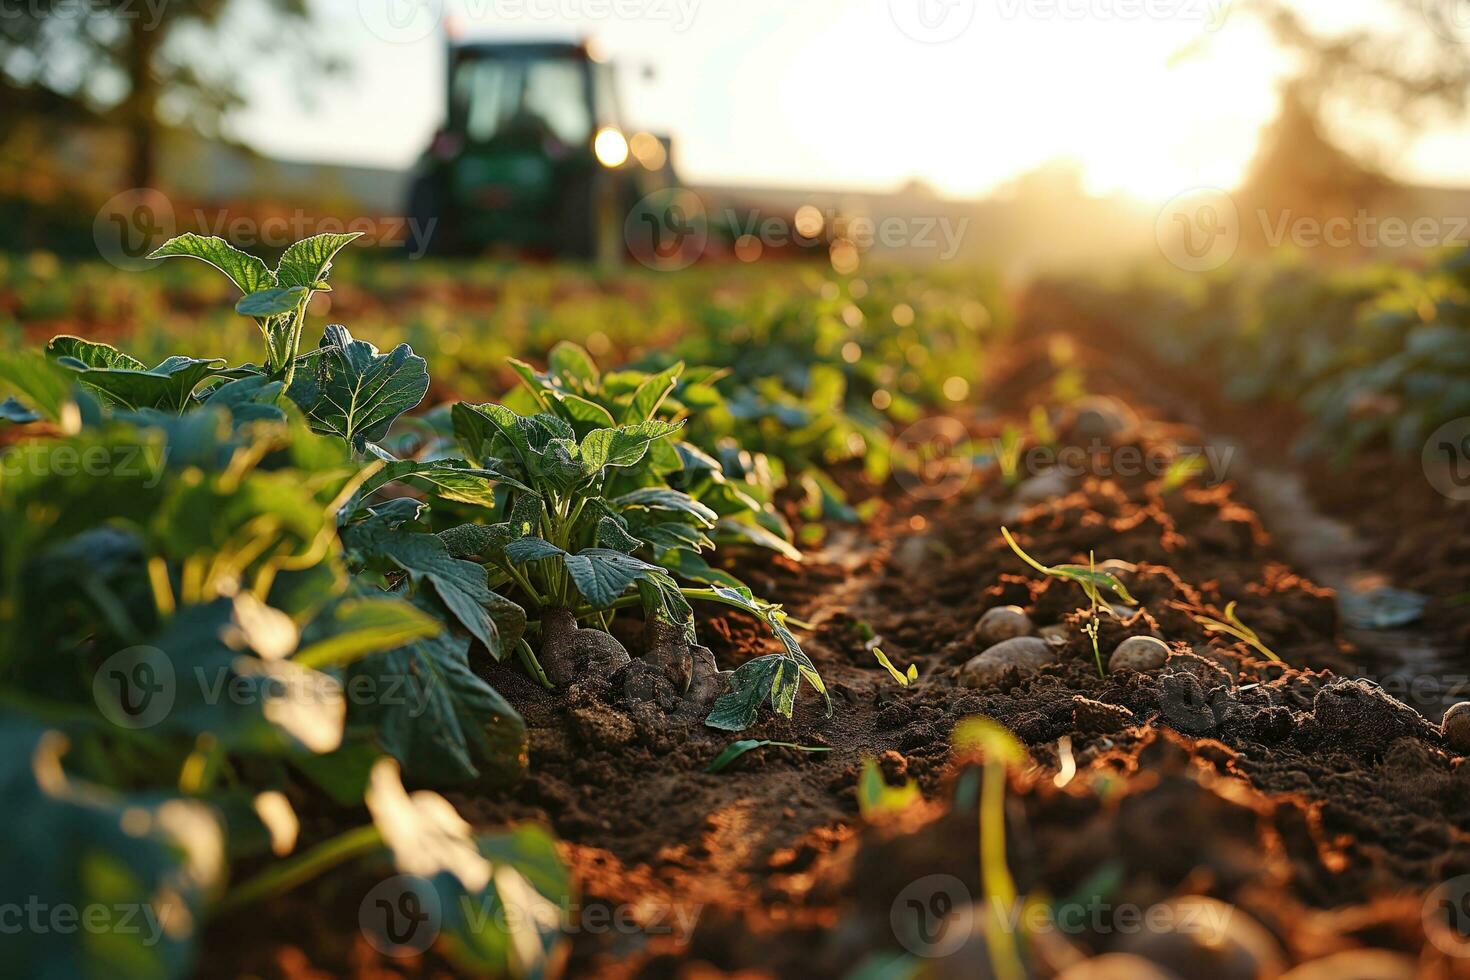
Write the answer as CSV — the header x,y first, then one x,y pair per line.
x,y
1234,627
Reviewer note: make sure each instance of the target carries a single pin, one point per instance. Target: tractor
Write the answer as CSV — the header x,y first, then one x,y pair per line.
x,y
533,155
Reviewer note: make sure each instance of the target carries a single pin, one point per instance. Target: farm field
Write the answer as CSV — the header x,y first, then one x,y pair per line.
x,y
748,620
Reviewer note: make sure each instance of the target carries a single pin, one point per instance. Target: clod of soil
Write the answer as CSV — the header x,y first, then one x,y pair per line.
x,y
1140,653
1002,623
568,652
1024,655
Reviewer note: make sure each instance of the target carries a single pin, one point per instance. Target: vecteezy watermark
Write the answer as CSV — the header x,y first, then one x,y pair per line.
x,y
401,916
934,916
1201,230
145,921
669,230
410,21
134,223
1198,230
932,21
148,12
1210,13
1450,19
405,914
131,225
140,686
1446,459
135,688
1446,916
65,460
934,459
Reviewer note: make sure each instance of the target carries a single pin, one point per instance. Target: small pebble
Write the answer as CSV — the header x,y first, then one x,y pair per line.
x,y
1140,653
1457,727
1027,654
1003,623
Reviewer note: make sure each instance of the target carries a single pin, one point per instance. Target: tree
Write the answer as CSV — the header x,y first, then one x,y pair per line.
x,y
1352,88
142,63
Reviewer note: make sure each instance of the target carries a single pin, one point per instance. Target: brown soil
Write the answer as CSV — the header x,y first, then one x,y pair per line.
x,y
1313,804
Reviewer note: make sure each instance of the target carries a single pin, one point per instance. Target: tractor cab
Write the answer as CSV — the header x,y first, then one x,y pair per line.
x,y
533,154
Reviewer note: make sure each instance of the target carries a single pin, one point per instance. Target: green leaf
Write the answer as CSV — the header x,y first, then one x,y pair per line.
x,y
90,353
438,718
735,750
307,263
665,499
574,366
147,864
623,446
359,627
877,799
531,549
13,411
245,271
750,685
271,302
602,575
499,897
47,387
355,392
1090,579
651,392
446,479
462,586
167,387
248,399
730,530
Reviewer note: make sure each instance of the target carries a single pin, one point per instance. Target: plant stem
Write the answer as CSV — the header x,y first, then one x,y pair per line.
x,y
528,659
1000,888
281,878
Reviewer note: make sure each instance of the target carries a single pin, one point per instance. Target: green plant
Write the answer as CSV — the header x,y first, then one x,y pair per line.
x,y
1001,752
593,528
1234,627
183,616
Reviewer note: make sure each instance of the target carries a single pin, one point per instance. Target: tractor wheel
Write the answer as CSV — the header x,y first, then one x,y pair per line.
x,y
431,230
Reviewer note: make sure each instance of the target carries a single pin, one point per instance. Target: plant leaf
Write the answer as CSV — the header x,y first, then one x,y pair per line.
x,y
355,392
308,263
245,271
433,714
265,303
735,750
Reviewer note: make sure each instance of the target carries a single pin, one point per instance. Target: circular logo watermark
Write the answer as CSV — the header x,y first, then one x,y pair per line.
x,y
1446,916
933,916
400,916
136,687
131,225
1450,19
932,21
1199,230
401,21
931,463
667,230
1446,459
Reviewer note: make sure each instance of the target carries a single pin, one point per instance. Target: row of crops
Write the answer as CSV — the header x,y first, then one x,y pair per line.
x,y
1377,358
249,576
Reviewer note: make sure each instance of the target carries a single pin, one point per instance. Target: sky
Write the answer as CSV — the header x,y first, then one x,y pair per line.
x,y
865,94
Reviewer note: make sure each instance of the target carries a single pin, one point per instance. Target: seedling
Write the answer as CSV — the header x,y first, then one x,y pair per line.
x,y
1093,623
871,643
1089,578
877,798
1234,627
1001,752
735,750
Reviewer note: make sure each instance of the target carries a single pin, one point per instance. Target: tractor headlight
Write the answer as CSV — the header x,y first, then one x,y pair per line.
x,y
610,146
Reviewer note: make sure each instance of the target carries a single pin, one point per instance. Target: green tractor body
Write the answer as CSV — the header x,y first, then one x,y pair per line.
x,y
532,155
